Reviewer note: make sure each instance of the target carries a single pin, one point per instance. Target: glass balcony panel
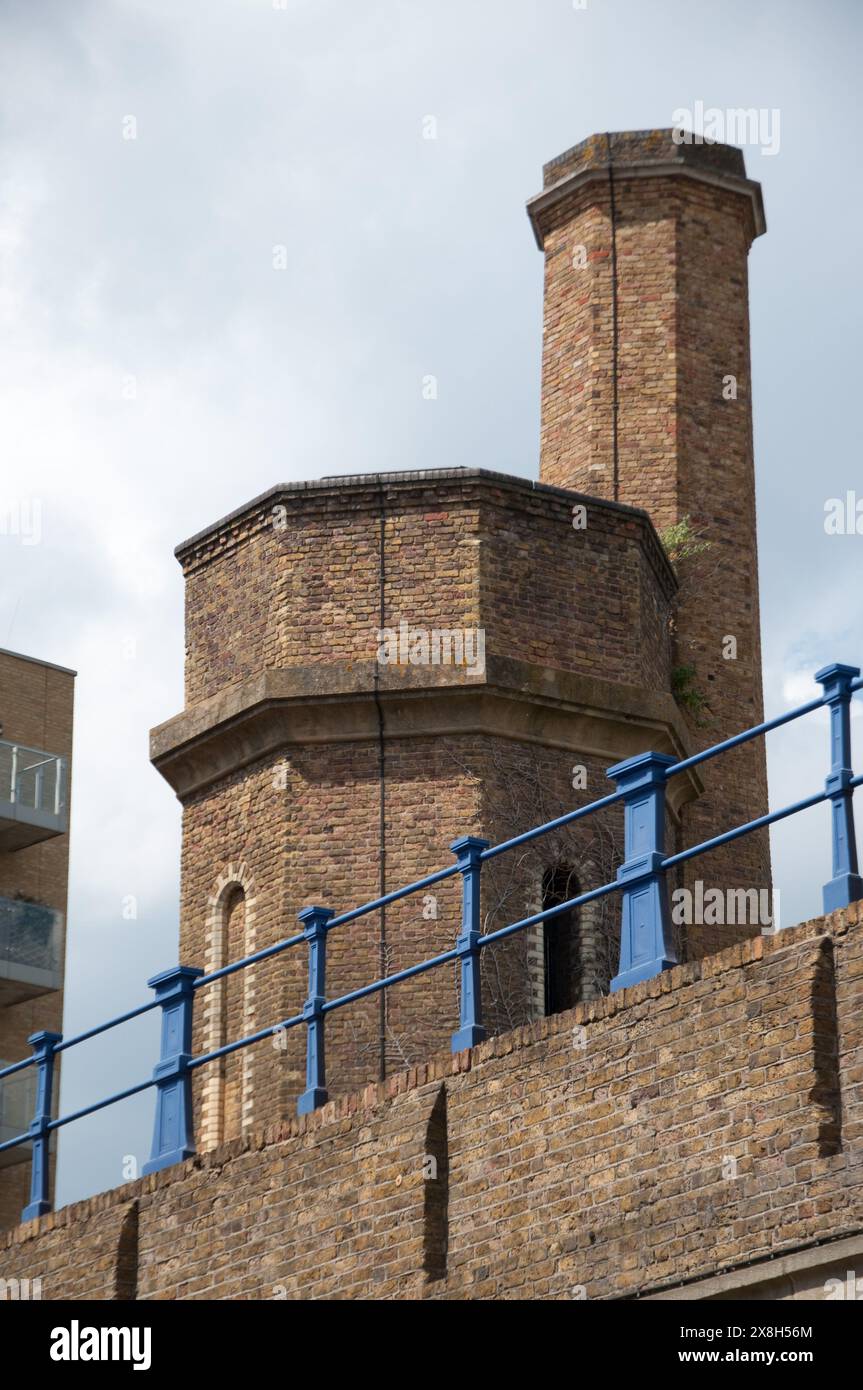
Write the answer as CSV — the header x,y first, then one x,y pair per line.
x,y
30,937
32,795
17,1103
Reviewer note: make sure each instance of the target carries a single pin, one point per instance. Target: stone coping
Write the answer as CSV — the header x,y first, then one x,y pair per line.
x,y
38,661
644,154
370,485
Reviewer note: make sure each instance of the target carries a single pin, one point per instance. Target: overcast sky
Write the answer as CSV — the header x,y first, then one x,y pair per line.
x,y
157,371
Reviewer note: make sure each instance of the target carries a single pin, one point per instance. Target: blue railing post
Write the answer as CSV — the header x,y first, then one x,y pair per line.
x,y
469,848
314,920
646,946
43,1044
173,1131
846,885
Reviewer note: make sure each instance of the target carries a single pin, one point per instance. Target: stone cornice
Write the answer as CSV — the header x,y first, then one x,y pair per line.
x,y
335,703
542,203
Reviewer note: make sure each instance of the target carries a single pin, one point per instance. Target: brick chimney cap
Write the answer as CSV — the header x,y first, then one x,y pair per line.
x,y
644,153
641,147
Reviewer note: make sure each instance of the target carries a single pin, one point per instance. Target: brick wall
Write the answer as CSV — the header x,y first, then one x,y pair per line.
x,y
294,578
293,583
709,1120
304,827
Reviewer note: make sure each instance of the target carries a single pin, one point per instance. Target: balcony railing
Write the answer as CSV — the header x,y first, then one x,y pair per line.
x,y
29,950
17,1098
646,939
33,797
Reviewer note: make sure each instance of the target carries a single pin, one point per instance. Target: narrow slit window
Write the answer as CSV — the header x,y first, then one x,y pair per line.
x,y
561,941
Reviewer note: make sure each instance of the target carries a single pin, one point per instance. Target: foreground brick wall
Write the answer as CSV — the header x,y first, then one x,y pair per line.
x,y
709,1120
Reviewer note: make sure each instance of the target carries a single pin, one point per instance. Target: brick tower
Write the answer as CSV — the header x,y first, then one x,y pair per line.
x,y
646,399
326,754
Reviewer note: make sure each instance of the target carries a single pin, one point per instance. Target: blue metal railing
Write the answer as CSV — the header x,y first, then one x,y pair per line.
x,y
646,946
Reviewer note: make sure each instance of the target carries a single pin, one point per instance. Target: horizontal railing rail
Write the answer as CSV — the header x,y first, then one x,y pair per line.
x,y
32,778
646,946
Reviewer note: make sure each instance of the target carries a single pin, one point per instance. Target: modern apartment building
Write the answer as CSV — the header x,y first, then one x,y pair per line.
x,y
36,700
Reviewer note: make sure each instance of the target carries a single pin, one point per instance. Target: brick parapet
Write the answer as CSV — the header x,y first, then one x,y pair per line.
x,y
535,1143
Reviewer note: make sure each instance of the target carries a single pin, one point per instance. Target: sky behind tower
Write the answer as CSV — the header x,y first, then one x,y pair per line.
x,y
230,253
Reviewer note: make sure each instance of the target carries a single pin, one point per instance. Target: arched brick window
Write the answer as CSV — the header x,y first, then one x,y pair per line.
x,y
229,1009
232,1014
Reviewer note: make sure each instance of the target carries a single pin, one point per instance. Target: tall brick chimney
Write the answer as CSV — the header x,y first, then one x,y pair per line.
x,y
646,399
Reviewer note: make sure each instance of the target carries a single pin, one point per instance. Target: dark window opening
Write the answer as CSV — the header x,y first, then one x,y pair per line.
x,y
560,942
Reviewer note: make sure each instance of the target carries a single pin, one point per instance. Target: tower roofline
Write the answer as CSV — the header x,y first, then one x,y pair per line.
x,y
38,661
403,480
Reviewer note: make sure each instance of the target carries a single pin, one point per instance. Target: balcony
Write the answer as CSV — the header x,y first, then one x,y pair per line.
x,y
17,1102
29,950
33,800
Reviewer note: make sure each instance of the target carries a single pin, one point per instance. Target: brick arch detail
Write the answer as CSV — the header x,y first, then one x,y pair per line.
x,y
235,875
588,918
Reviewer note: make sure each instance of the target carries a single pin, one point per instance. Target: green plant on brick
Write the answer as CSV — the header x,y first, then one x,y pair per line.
x,y
682,542
687,693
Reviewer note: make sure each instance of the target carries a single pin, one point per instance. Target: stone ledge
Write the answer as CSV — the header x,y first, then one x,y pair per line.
x,y
747,1279
335,702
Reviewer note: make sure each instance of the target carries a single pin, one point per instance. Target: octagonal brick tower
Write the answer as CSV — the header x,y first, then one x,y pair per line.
x,y
311,769
312,772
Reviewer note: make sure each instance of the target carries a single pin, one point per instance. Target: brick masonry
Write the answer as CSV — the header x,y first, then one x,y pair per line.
x,y
705,1126
646,308
312,771
301,823
293,579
